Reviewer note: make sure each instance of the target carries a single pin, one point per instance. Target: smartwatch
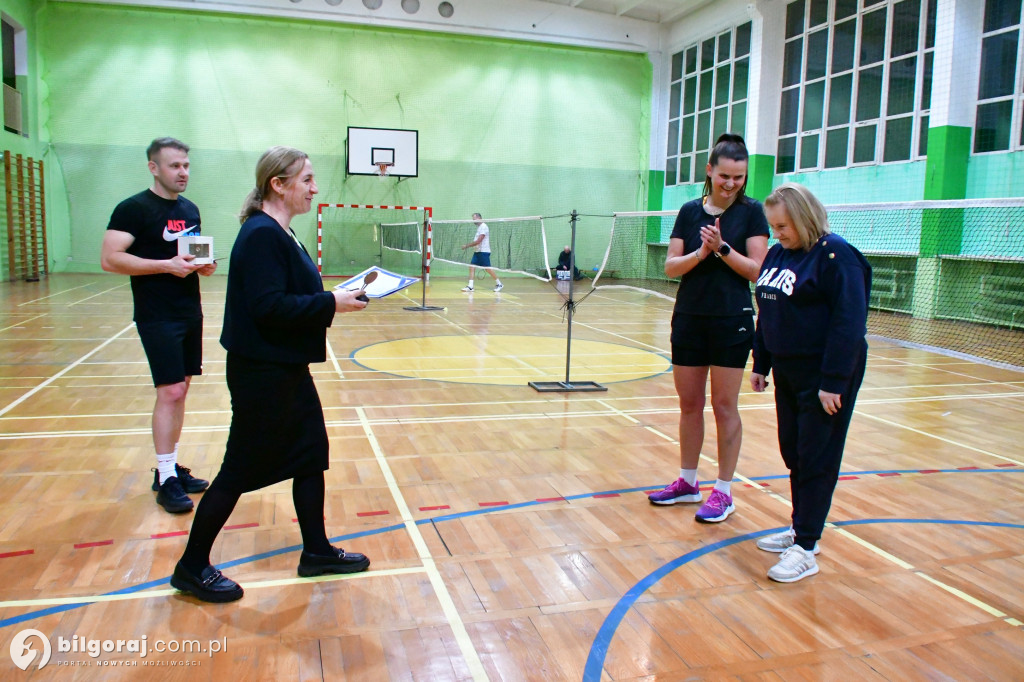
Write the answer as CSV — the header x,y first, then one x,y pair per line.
x,y
723,250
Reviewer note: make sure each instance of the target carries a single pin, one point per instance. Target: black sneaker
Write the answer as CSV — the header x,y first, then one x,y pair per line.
x,y
189,483
339,561
211,585
172,497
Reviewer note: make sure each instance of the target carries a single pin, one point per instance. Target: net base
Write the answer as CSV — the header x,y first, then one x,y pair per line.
x,y
423,307
566,386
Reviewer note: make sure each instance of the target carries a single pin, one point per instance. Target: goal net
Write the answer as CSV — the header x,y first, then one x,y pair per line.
x,y
518,245
352,238
946,274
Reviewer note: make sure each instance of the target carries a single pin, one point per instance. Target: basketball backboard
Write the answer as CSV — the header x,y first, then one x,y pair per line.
x,y
369,147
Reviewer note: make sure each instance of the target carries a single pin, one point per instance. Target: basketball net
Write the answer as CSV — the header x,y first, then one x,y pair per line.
x,y
383,168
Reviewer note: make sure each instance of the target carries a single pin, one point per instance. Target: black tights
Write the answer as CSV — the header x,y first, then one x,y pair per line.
x,y
219,501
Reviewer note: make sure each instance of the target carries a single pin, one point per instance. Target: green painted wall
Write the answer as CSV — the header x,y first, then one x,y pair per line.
x,y
506,128
761,169
995,175
34,143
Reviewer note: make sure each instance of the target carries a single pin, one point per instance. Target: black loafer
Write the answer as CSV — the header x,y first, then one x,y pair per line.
x,y
211,585
339,561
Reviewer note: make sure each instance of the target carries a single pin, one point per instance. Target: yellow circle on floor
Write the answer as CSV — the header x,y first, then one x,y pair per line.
x,y
509,360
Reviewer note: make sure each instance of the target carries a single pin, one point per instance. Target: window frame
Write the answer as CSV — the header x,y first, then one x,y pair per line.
x,y
1016,141
917,115
675,124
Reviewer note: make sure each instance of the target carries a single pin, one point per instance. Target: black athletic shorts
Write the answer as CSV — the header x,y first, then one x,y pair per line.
x,y
702,340
174,349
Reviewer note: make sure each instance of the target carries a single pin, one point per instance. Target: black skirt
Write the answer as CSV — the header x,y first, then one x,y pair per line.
x,y
277,424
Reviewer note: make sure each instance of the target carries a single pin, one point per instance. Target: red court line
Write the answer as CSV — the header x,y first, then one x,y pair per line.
x,y
550,499
494,504
890,473
848,478
86,545
23,552
966,468
381,512
928,471
607,495
1006,464
172,534
241,525
437,508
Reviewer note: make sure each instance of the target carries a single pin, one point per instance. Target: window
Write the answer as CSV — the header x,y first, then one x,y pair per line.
x,y
12,37
856,83
707,97
999,93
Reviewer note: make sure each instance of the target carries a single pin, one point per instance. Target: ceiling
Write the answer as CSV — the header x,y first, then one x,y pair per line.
x,y
655,11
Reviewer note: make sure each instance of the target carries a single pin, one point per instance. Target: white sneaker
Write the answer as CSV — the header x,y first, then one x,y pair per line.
x,y
468,290
796,564
498,286
780,542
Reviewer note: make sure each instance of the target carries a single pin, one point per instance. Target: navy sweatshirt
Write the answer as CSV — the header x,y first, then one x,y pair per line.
x,y
813,304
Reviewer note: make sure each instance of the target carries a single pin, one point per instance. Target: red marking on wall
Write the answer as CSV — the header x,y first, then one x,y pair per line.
x,y
86,545
172,534
23,552
241,525
437,508
494,504
380,512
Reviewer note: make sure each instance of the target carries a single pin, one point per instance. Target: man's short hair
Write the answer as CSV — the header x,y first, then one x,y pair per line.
x,y
161,143
477,216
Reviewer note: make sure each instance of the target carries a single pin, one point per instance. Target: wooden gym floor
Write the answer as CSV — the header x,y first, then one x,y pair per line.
x,y
509,531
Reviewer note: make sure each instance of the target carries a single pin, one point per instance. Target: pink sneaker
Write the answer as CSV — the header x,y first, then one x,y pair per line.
x,y
676,491
717,508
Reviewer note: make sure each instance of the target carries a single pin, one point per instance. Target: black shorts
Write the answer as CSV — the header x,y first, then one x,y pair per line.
x,y
481,259
174,349
702,341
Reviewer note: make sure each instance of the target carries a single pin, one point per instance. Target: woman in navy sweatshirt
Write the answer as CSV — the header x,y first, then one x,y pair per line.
x,y
812,297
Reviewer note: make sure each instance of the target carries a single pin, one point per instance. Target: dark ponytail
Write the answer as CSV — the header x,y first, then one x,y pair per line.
x,y
730,146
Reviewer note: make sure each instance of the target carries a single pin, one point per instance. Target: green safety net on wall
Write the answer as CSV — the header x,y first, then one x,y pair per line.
x,y
505,128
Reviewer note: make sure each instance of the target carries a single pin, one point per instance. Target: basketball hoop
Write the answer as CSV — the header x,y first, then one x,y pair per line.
x,y
383,168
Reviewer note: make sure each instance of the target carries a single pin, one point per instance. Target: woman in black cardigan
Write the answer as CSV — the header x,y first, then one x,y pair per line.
x,y
275,323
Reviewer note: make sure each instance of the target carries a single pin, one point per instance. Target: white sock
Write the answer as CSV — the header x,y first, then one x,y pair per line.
x,y
497,282
724,487
165,465
470,284
688,475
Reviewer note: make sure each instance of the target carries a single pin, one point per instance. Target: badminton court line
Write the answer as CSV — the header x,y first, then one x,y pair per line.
x,y
59,293
148,594
17,324
974,601
11,406
465,642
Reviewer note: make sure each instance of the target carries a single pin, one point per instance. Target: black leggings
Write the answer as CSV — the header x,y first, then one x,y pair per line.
x,y
219,500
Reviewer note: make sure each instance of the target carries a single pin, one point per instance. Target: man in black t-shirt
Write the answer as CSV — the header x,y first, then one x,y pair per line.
x,y
141,241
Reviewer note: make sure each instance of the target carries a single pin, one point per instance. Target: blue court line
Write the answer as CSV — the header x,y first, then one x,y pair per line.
x,y
599,648
160,582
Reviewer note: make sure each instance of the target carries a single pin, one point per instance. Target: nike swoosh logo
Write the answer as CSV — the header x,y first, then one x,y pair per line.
x,y
173,236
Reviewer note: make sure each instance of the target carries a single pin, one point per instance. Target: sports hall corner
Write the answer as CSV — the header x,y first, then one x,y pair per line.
x,y
507,415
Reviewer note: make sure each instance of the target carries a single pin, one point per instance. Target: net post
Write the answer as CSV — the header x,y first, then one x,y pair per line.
x,y
428,212
568,386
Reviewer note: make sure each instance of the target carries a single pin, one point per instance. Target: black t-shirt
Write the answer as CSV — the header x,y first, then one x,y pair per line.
x,y
712,287
156,223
